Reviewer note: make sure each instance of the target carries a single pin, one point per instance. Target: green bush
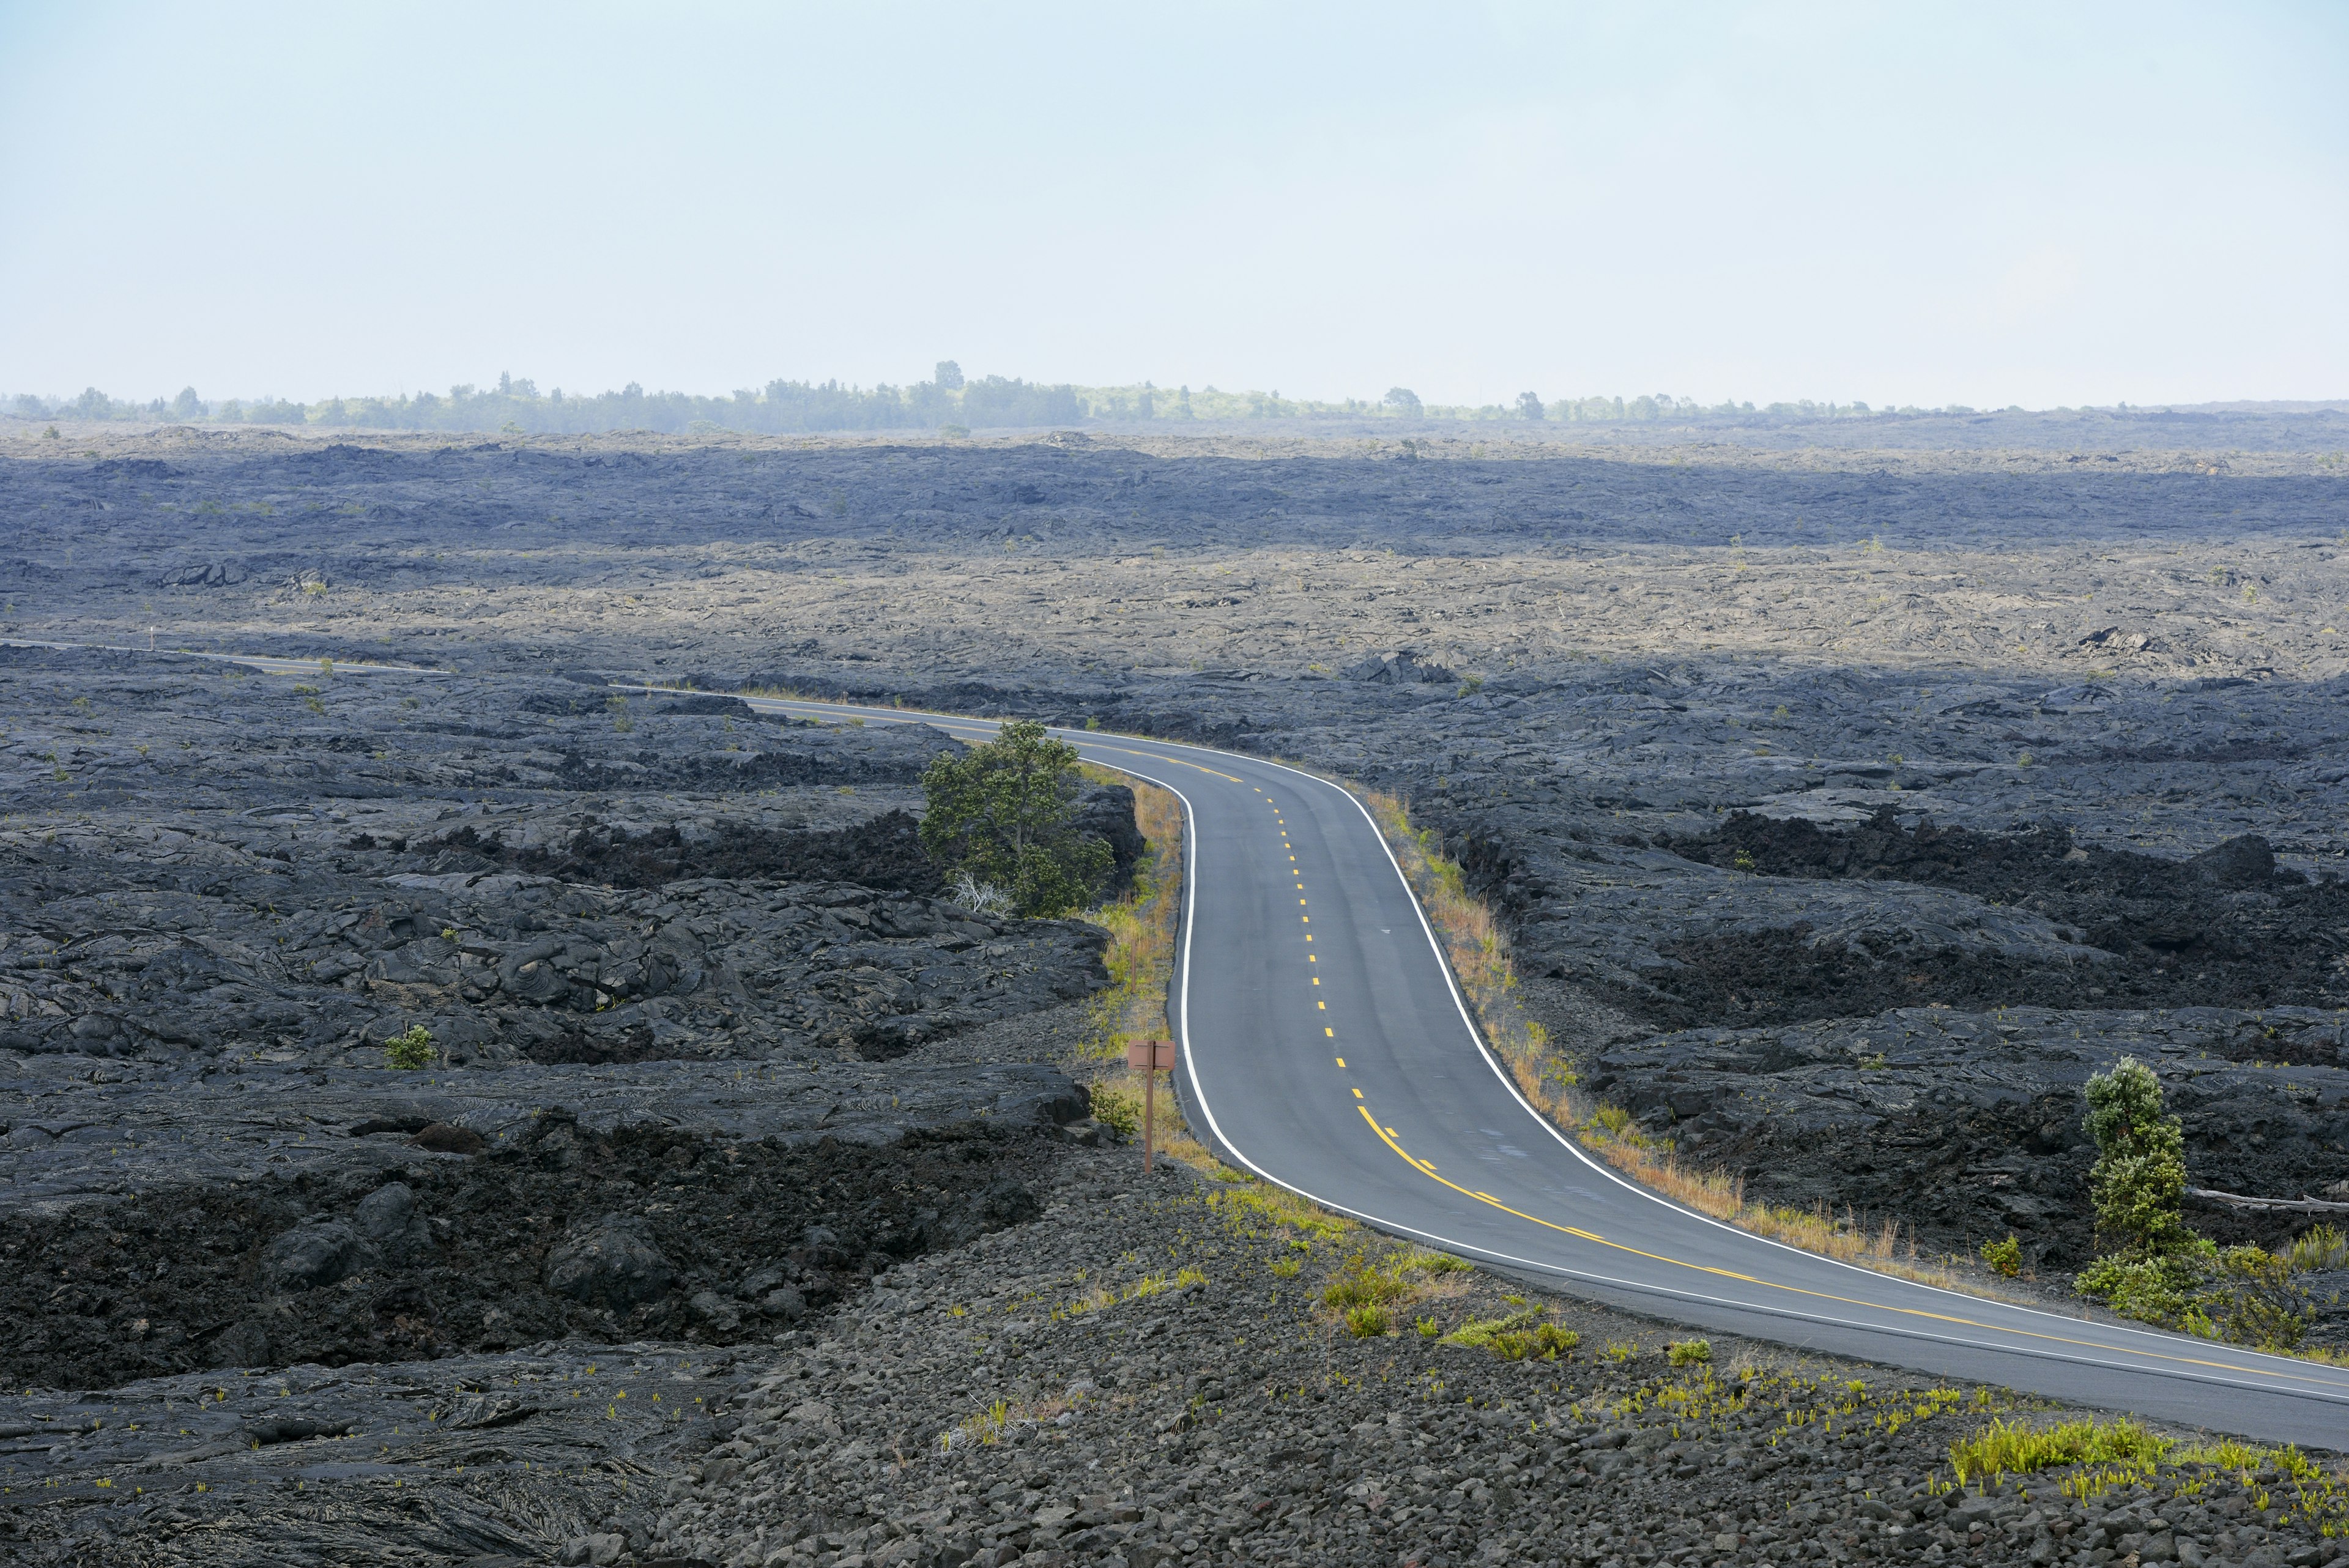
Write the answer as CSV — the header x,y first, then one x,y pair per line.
x,y
1689,1352
2159,1291
2004,1257
1614,1120
2006,1447
2253,1300
2319,1250
1477,1333
2155,1264
1420,1261
410,1050
1366,1322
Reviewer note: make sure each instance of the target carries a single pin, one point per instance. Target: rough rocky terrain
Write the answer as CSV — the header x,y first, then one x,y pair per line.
x,y
1072,1395
709,1051
1878,792
528,870
1142,1375
1960,1122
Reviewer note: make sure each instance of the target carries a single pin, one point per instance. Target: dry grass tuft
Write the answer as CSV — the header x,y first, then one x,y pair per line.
x,y
1141,960
1816,1230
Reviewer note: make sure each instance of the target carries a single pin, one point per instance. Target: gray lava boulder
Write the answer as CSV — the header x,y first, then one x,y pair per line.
x,y
386,1212
1404,668
713,1310
440,1137
2246,860
1106,811
607,1263
387,1219
318,1253
708,703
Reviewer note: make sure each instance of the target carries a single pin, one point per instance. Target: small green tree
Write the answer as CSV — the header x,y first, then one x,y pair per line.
x,y
2155,1269
2153,1263
410,1050
1003,813
2139,1177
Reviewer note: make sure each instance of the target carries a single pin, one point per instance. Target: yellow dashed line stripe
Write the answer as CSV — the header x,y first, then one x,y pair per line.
x,y
1387,1135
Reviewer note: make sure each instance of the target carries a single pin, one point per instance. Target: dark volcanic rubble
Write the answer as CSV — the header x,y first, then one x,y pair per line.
x,y
1142,1374
290,875
656,947
1846,804
500,968
557,1231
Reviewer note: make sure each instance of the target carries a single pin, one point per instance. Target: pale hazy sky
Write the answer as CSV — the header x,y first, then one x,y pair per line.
x,y
2039,203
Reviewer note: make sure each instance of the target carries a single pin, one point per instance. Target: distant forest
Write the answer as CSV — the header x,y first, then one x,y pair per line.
x,y
946,402
516,404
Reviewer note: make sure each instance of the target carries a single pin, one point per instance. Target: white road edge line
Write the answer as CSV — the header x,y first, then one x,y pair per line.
x,y
2318,1393
2317,1390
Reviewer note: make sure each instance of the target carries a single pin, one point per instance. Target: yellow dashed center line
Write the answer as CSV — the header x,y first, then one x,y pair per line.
x,y
1387,1137
1178,761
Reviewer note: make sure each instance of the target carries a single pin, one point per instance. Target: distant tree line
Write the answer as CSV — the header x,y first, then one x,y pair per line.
x,y
947,400
515,403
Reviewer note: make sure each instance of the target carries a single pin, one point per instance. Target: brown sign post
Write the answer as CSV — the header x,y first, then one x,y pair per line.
x,y
1149,1058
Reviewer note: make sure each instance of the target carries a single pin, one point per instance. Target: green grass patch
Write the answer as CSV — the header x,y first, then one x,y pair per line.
x,y
1519,1336
1363,1284
1251,1203
2012,1448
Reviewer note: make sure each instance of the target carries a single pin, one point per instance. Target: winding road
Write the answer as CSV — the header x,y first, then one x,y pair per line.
x,y
1325,1047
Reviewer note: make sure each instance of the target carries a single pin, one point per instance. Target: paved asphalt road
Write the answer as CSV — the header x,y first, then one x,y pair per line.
x,y
1325,1047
